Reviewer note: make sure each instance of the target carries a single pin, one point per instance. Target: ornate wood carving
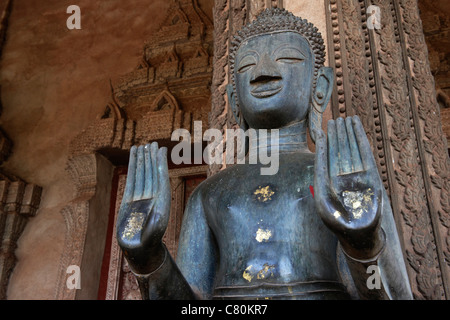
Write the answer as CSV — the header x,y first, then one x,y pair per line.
x,y
83,170
257,6
18,202
432,144
169,88
383,76
218,115
229,16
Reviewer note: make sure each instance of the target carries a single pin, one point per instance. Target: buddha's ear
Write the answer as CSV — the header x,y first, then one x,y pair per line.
x,y
231,98
235,108
324,88
320,99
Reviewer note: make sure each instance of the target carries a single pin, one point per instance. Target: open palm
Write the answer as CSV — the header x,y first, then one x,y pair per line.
x,y
145,207
347,184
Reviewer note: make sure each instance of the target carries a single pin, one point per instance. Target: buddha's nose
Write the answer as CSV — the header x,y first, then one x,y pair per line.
x,y
266,70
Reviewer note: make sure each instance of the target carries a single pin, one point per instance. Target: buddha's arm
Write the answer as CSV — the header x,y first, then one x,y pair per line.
x,y
142,222
165,282
197,252
352,203
191,277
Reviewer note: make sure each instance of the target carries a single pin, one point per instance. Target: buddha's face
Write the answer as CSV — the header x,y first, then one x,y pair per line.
x,y
274,74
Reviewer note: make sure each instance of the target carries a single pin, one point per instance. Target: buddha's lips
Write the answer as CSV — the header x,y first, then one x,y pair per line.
x,y
266,90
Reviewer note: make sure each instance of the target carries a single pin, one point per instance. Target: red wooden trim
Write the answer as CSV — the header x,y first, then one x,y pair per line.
x,y
103,285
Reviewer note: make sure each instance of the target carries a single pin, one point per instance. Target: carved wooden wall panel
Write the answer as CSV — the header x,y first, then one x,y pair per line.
x,y
383,76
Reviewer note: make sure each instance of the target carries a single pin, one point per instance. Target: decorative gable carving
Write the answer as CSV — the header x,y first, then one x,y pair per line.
x,y
170,68
176,27
198,63
168,89
165,101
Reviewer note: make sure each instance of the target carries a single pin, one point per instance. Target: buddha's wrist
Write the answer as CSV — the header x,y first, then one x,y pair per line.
x,y
368,247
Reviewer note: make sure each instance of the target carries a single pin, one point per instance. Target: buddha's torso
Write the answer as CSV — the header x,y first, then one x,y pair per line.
x,y
270,239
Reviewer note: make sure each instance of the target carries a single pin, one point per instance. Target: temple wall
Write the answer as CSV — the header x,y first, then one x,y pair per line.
x,y
54,84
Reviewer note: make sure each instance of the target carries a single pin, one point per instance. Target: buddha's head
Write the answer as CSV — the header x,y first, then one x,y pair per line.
x,y
277,72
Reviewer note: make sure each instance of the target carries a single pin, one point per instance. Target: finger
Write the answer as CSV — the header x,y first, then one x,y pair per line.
x,y
140,175
153,154
129,186
321,165
164,195
363,145
157,222
345,160
356,158
333,156
148,182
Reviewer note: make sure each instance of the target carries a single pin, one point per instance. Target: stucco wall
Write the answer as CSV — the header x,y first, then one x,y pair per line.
x,y
54,82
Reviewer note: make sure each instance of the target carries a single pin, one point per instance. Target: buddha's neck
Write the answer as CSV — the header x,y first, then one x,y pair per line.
x,y
290,139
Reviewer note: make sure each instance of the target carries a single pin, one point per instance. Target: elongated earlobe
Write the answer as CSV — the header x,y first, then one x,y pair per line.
x,y
321,97
235,107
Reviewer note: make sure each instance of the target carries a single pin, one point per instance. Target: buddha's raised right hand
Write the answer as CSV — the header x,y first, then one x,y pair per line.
x,y
145,208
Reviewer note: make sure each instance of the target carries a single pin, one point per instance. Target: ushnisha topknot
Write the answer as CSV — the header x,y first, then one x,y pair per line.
x,y
274,20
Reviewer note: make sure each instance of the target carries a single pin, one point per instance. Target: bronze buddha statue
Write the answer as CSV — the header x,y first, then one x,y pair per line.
x,y
310,231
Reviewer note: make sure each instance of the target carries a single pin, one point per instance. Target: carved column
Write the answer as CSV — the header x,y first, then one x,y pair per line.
x,y
5,10
257,6
383,76
18,202
229,16
91,179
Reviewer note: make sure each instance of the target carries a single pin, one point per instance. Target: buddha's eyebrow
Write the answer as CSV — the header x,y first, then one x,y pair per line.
x,y
249,53
289,46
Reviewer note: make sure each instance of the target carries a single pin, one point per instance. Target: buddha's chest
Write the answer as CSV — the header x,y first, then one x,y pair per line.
x,y
249,206
262,222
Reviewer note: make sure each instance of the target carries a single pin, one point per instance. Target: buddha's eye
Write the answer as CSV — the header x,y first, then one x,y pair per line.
x,y
246,67
289,55
246,64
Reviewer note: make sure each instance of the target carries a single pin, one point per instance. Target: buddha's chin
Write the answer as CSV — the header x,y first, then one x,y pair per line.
x,y
274,116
